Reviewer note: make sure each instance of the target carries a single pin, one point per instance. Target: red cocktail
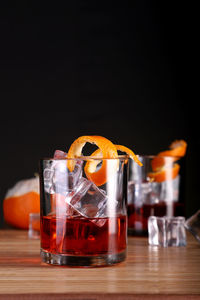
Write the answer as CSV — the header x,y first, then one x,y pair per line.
x,y
83,224
154,190
81,236
138,216
83,204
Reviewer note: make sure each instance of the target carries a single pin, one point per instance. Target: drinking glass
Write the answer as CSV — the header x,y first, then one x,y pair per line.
x,y
157,195
192,224
83,224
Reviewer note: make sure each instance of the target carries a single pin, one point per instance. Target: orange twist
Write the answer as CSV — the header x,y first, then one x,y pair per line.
x,y
162,164
106,150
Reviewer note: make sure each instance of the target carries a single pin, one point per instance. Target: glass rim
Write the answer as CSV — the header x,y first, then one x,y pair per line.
x,y
86,158
151,156
175,218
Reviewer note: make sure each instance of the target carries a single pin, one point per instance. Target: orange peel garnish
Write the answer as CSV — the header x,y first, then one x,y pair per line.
x,y
165,173
130,153
106,150
94,176
97,153
163,165
177,150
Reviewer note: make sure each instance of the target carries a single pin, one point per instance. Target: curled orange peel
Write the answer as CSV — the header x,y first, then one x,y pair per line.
x,y
98,178
163,162
106,150
165,173
130,153
177,150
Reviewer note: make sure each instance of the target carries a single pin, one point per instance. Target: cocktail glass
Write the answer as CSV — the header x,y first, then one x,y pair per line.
x,y
157,195
83,224
192,224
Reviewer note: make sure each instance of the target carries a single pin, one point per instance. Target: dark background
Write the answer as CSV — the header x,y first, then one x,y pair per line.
x,y
122,71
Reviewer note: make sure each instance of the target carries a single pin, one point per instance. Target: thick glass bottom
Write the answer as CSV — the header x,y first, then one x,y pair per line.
x,y
136,232
82,261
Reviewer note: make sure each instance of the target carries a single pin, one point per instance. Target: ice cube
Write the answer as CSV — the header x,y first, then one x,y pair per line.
x,y
58,179
60,207
131,192
169,189
153,192
34,226
89,201
143,192
135,194
193,225
166,231
59,154
48,175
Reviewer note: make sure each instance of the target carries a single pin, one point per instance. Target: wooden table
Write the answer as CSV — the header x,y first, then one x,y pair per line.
x,y
148,273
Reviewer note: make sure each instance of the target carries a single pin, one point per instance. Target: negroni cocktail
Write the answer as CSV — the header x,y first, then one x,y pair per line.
x,y
154,189
83,205
82,236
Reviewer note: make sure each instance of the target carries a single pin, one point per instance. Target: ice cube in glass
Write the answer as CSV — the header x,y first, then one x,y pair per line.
x,y
58,179
88,200
59,154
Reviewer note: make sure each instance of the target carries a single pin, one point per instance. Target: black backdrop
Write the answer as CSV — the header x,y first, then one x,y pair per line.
x,y
117,70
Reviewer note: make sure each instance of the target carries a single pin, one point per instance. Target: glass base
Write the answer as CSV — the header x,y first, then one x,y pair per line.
x,y
82,261
134,232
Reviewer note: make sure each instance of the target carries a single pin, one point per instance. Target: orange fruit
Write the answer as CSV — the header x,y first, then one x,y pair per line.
x,y
20,201
165,173
106,149
177,150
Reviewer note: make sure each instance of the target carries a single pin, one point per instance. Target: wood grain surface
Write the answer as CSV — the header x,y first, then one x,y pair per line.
x,y
148,273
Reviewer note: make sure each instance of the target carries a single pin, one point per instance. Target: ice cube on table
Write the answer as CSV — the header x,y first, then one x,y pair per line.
x,y
166,231
58,179
193,225
89,201
34,226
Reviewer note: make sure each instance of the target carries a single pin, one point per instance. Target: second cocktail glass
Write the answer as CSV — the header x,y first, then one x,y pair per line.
x,y
83,224
153,193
